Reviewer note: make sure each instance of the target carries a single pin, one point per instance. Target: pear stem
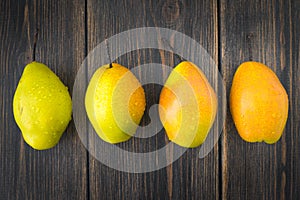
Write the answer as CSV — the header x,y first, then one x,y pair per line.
x,y
34,44
108,54
165,41
249,40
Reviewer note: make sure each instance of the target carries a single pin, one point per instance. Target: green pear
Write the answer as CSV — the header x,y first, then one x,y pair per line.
x,y
42,106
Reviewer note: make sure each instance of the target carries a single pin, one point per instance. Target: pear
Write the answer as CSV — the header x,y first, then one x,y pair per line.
x,y
115,103
258,103
42,106
187,105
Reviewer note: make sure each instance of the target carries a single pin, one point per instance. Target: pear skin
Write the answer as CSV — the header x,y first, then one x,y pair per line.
x,y
115,103
258,103
188,105
42,106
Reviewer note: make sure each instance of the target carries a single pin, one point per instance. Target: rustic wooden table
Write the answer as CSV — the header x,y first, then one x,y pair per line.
x,y
70,29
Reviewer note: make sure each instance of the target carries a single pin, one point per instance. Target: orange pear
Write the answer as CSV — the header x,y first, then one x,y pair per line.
x,y
188,105
258,103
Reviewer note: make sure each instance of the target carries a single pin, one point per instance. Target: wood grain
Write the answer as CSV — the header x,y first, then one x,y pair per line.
x,y
189,177
293,126
58,173
258,170
232,31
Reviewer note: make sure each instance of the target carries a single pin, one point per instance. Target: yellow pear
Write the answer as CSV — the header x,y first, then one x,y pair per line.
x,y
188,105
115,103
42,106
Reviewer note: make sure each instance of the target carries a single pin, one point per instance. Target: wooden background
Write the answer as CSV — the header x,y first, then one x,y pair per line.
x,y
70,29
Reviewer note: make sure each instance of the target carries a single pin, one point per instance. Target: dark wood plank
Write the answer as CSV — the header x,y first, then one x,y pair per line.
x,y
293,147
189,177
58,173
261,171
249,171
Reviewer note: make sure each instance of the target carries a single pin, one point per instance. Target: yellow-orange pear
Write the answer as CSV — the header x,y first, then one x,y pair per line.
x,y
188,105
115,103
258,103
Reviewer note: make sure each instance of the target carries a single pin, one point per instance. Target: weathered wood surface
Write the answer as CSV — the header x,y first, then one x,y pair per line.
x,y
60,172
268,28
69,30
